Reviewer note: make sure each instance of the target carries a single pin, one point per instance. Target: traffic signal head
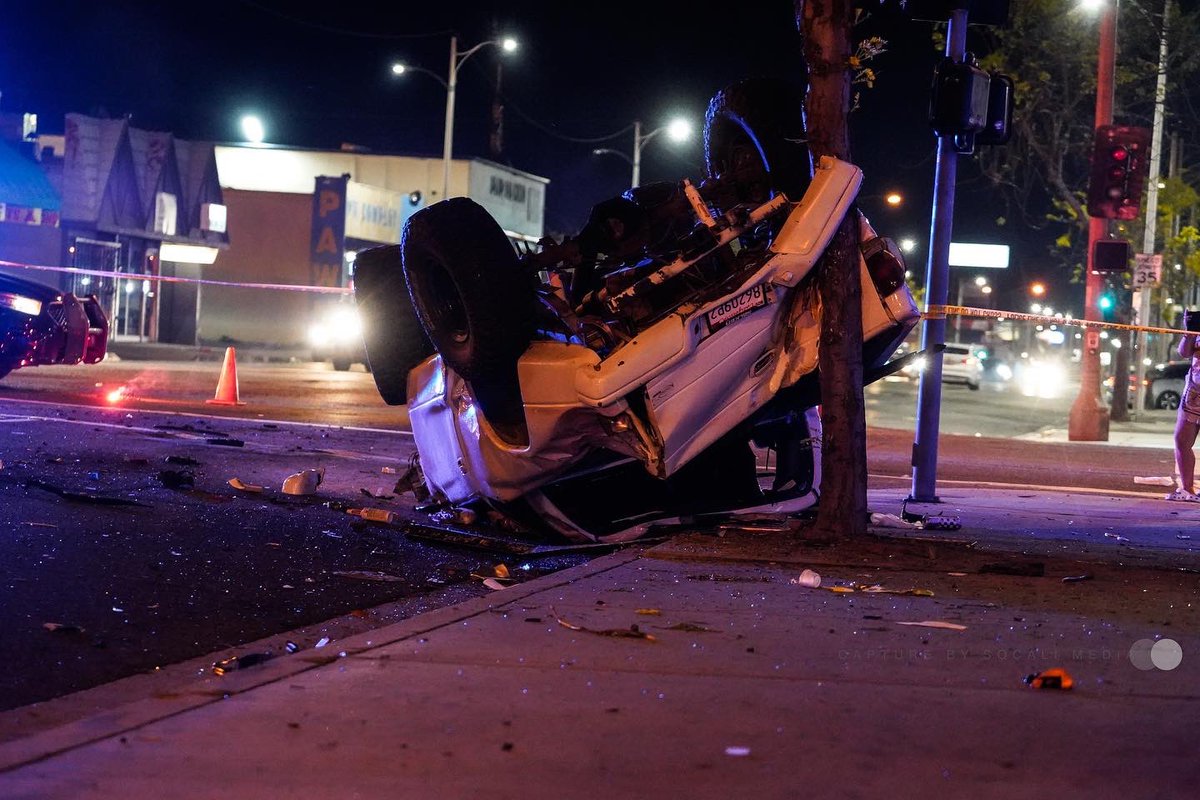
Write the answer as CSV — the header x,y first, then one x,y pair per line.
x,y
1119,166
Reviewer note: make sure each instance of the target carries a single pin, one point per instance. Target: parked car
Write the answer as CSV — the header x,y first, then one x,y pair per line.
x,y
961,363
40,325
1164,384
633,372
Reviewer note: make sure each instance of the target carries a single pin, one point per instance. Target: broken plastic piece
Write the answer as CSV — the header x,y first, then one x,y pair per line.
x,y
1087,576
1050,679
59,627
242,486
304,482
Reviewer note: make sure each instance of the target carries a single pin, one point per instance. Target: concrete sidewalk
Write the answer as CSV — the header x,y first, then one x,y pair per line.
x,y
699,668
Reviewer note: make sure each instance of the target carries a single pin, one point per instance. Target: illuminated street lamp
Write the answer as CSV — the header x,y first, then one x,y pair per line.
x,y
253,130
1037,289
677,130
893,199
507,44
908,244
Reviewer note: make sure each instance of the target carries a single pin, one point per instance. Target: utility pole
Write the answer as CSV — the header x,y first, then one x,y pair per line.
x,y
1088,420
1141,296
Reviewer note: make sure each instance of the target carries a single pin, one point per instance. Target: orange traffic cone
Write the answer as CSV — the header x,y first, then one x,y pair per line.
x,y
227,386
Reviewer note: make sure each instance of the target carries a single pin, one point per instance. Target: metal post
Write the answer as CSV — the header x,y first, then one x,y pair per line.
x,y
1142,295
637,153
1088,420
448,137
937,279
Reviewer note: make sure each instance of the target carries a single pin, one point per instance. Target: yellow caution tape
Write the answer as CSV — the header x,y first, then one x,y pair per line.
x,y
942,312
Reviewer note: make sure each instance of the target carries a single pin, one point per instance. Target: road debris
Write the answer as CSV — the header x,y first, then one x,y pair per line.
x,y
808,578
182,461
60,627
737,751
242,486
1087,576
367,575
494,584
632,632
1156,480
304,482
1050,679
935,623
223,442
891,521
687,627
481,540
1027,569
240,662
177,478
1118,537
373,514
648,612
81,497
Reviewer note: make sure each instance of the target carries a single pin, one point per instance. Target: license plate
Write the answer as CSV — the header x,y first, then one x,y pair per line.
x,y
737,307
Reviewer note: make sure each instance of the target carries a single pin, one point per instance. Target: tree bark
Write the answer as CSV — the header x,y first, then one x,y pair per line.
x,y
825,27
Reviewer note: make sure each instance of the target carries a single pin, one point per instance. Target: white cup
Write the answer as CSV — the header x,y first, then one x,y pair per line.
x,y
810,579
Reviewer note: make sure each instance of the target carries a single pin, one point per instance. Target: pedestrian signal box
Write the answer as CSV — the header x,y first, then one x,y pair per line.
x,y
1110,255
1120,162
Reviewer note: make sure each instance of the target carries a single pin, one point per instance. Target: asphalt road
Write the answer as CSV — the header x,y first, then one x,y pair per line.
x,y
140,574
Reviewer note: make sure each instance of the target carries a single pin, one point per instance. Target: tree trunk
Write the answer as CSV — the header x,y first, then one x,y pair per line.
x,y
825,26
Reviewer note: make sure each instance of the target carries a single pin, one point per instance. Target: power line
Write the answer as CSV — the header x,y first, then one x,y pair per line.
x,y
340,31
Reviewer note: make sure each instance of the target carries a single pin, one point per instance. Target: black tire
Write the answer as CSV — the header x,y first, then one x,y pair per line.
x,y
472,298
342,364
1167,400
754,136
393,336
974,387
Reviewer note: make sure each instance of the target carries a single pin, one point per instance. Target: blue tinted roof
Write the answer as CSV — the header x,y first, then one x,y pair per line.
x,y
23,183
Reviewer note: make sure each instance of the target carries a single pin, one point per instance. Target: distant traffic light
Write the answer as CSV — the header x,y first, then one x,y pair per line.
x,y
1106,303
1119,167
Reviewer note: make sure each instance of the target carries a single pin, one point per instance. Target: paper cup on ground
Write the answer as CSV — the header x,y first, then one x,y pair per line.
x,y
810,579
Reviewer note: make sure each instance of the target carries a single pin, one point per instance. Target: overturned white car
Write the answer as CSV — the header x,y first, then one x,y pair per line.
x,y
662,363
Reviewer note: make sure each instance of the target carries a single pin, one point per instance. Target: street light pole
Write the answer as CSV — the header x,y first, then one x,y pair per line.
x,y
1088,420
638,141
456,61
448,135
1142,293
678,130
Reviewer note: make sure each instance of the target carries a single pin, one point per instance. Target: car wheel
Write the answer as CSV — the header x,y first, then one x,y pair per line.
x,y
974,387
754,137
1168,400
341,365
472,299
393,336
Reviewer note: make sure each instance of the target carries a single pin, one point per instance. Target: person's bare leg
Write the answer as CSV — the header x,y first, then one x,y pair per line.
x,y
1185,459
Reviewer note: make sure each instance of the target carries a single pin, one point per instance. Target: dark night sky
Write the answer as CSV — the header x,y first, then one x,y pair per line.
x,y
319,76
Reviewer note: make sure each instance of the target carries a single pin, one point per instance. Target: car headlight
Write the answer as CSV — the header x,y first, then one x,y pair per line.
x,y
21,304
345,325
318,335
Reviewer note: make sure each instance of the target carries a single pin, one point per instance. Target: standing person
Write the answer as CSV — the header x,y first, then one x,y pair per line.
x,y
1188,422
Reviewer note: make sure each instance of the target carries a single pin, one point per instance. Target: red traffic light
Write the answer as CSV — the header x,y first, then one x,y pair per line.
x,y
1119,167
